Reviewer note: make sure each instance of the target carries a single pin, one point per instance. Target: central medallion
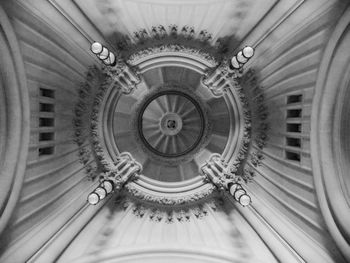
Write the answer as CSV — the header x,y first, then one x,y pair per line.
x,y
171,123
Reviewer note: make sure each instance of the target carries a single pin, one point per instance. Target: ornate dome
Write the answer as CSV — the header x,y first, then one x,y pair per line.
x,y
171,123
169,129
175,128
174,131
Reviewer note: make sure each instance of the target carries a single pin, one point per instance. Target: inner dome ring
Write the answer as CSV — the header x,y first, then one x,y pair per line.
x,y
171,116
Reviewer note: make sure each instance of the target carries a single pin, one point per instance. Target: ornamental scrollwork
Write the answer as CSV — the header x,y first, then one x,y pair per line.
x,y
157,50
169,215
167,200
81,120
260,127
166,34
186,36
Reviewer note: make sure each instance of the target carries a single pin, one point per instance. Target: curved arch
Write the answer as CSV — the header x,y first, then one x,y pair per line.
x,y
14,120
330,163
131,255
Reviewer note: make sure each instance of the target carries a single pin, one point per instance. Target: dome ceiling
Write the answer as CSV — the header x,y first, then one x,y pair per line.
x,y
179,124
167,117
170,128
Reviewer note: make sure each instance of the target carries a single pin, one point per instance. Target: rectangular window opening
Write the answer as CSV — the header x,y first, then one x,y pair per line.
x,y
294,142
294,113
49,93
293,156
294,98
294,127
47,107
46,136
46,122
46,151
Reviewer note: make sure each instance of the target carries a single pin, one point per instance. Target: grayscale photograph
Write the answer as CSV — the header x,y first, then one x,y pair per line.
x,y
174,131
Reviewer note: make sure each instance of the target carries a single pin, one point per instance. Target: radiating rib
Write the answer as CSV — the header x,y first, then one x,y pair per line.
x,y
189,111
161,106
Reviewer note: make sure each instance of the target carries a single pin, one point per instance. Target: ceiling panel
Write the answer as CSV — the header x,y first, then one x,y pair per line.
x,y
219,17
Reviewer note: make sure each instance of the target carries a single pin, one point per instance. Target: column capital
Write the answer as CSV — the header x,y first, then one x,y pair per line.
x,y
217,171
219,80
124,170
123,76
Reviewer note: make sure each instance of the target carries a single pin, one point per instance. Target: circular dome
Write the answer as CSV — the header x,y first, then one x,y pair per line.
x,y
171,123
169,131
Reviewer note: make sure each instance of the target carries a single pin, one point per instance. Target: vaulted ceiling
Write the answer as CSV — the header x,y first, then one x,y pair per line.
x,y
293,216
220,18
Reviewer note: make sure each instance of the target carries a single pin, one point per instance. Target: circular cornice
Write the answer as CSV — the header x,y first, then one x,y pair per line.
x,y
145,189
105,151
14,120
330,159
171,123
172,55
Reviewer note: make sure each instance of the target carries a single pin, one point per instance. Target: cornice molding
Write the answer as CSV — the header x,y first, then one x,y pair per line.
x,y
259,121
14,120
172,50
162,212
175,198
85,107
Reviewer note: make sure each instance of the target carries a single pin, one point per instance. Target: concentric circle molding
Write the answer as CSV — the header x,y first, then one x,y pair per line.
x,y
171,124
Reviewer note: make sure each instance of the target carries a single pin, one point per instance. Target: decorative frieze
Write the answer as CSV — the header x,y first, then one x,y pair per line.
x,y
82,111
162,32
169,215
187,35
168,48
168,200
260,125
